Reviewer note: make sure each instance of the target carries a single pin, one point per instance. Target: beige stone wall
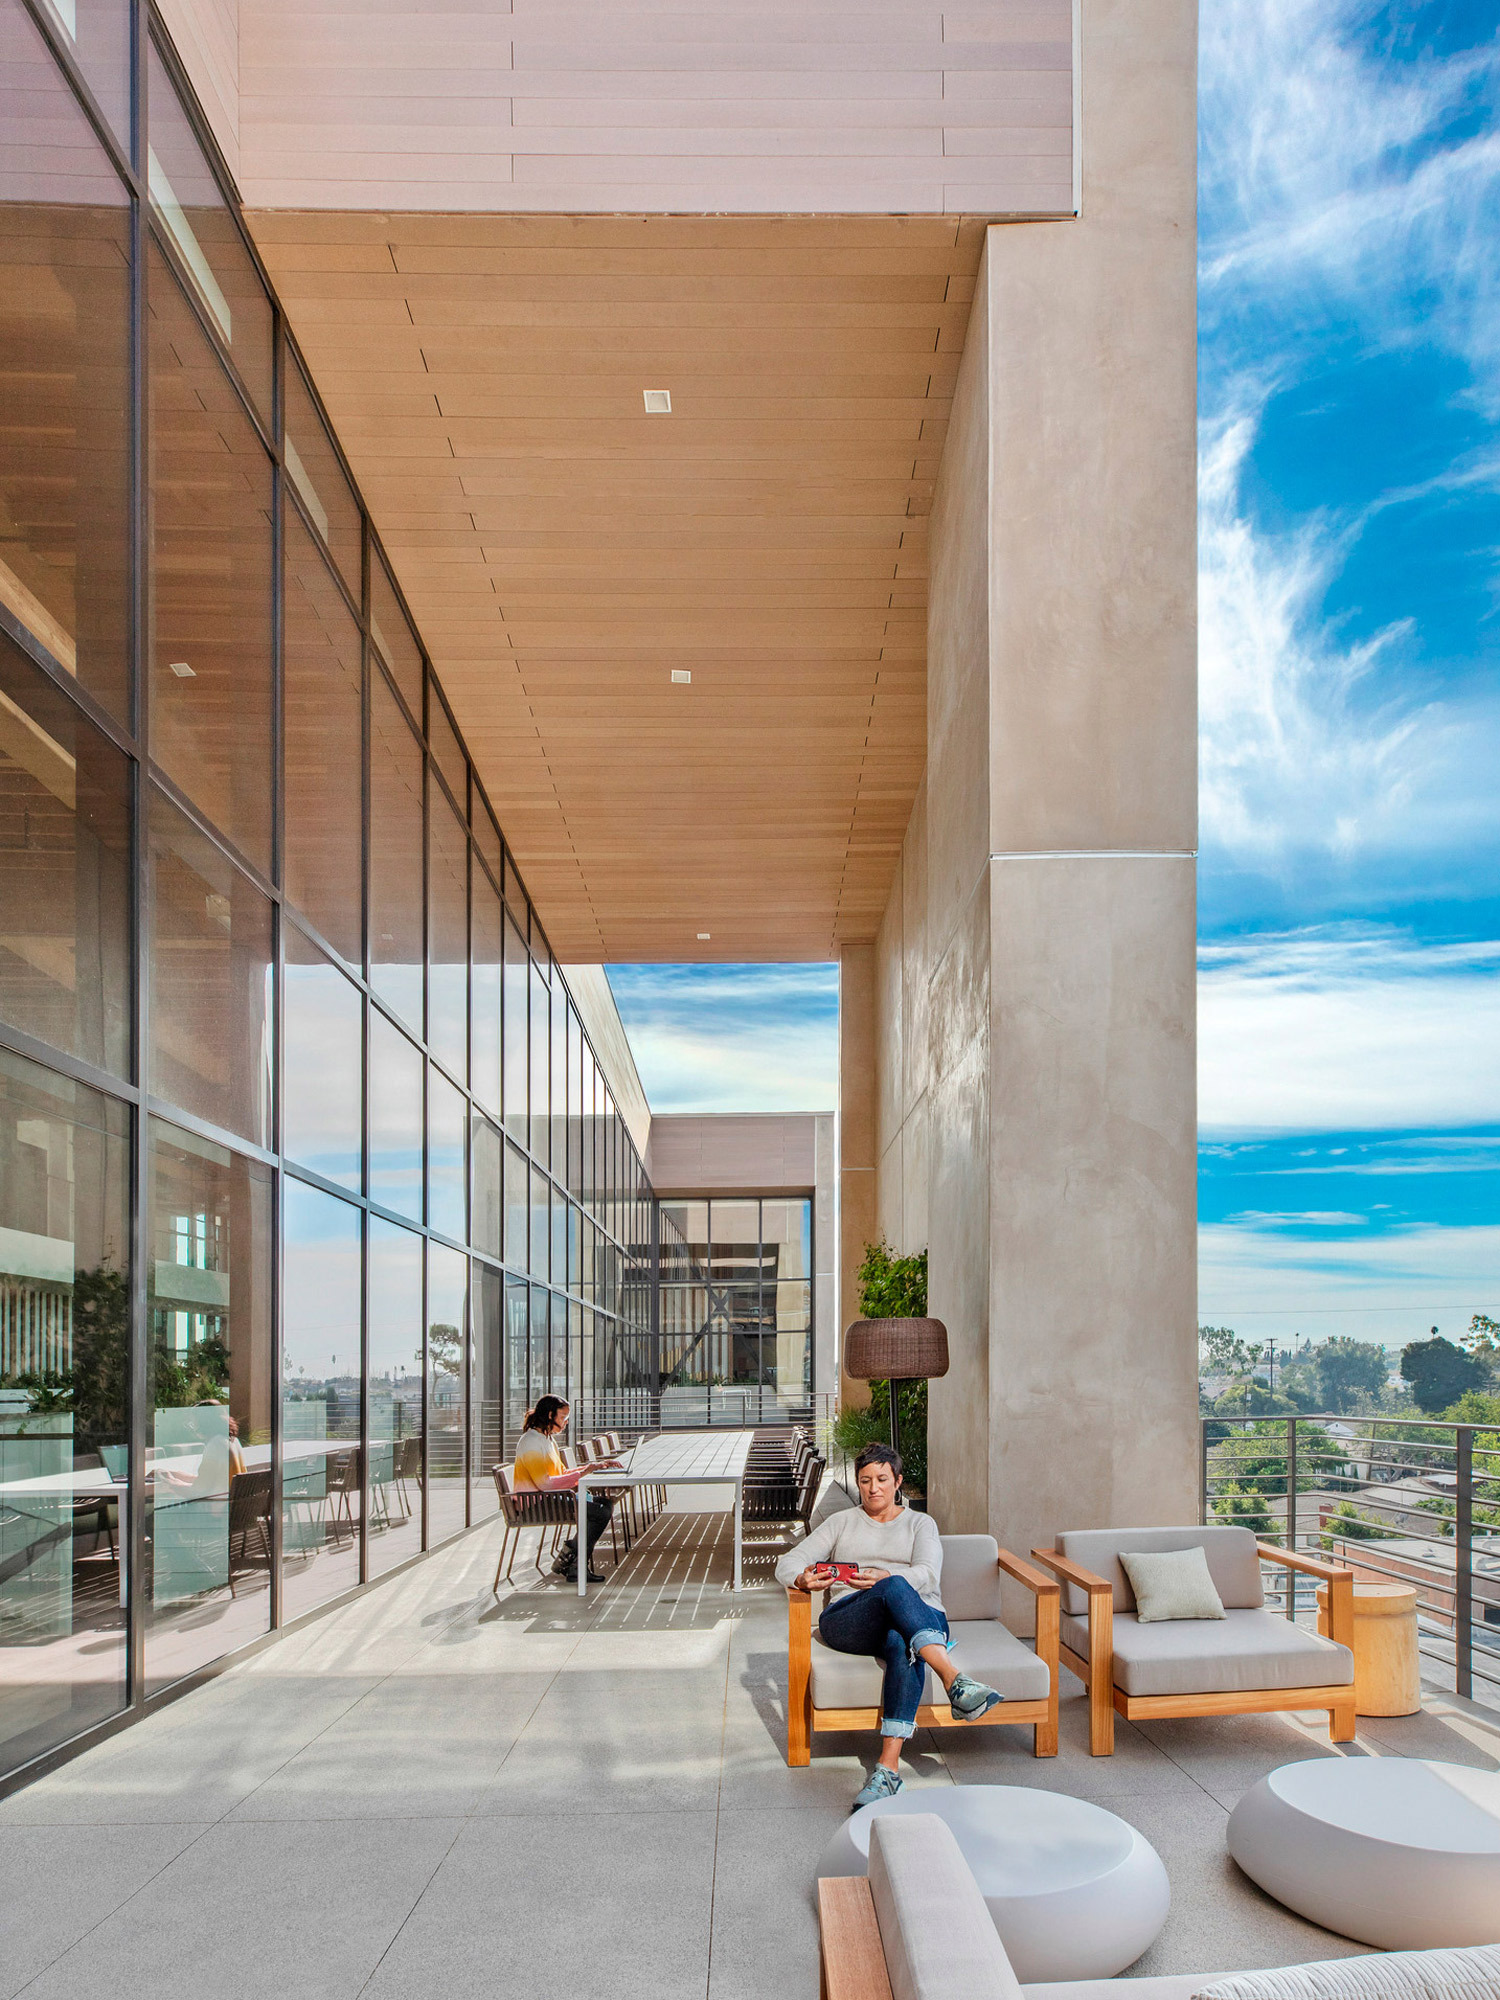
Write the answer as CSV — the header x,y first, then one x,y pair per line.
x,y
1035,964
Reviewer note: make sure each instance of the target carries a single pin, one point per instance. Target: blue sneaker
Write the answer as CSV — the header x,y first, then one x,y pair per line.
x,y
970,1699
881,1784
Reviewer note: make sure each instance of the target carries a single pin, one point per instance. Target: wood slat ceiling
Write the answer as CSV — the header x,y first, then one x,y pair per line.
x,y
563,551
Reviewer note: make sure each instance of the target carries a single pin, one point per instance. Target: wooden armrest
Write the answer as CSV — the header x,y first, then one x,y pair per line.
x,y
853,1957
1310,1565
1072,1572
1035,1582
806,1596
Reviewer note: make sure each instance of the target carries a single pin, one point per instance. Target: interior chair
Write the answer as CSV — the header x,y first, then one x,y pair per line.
x,y
1250,1662
830,1691
249,1516
523,1509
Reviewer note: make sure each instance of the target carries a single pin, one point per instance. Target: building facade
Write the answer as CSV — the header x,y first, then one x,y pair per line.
x,y
779,426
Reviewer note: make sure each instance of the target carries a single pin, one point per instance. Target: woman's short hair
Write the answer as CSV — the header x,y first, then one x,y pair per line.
x,y
878,1454
543,1414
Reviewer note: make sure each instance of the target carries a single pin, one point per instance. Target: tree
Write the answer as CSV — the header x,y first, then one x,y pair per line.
x,y
1222,1352
891,1287
1439,1372
1347,1369
1483,1343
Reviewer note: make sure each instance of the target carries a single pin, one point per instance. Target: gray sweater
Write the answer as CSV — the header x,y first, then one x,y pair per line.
x,y
909,1546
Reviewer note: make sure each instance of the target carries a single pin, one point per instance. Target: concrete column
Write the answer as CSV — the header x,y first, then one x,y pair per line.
x,y
856,1179
1060,832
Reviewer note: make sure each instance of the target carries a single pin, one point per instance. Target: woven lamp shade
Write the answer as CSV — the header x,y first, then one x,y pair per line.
x,y
898,1350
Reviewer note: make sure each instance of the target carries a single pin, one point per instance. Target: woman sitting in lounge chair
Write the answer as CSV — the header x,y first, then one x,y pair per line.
x,y
889,1607
539,1466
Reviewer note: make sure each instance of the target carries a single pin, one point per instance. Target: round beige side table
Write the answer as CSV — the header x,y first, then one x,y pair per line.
x,y
1387,1677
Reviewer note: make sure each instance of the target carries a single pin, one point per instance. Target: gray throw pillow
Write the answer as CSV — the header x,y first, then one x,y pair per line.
x,y
1171,1583
1470,1972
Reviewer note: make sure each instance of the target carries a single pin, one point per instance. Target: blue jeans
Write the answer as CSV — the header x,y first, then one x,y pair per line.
x,y
892,1624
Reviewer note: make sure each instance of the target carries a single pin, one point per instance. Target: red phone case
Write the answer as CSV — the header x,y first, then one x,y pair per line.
x,y
838,1572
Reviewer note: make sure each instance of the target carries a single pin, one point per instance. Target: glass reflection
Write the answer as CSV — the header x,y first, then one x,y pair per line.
x,y
394,637
322,675
486,1389
211,596
208,1496
194,217
448,751
96,34
485,977
64,1332
447,1118
65,945
517,997
395,857
517,1399
398,1472
448,924
541,1064
211,972
322,1483
485,1201
317,478
539,1356
64,334
396,1120
517,1209
447,1310
322,1097
540,1259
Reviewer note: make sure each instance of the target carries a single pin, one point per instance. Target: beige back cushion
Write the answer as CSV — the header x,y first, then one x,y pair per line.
x,y
1467,1972
971,1576
1232,1562
939,1939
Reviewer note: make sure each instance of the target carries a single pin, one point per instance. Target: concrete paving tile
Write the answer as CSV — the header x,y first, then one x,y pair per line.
x,y
607,1741
262,1912
1227,1754
1220,1921
1000,1756
411,1749
556,1907
1449,1731
106,1864
194,1760
765,1923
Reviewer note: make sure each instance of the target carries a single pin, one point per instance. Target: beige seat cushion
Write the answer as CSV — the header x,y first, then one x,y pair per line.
x,y
1232,1562
939,1940
1249,1649
982,1647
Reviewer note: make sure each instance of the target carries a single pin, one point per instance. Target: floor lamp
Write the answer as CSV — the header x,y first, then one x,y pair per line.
x,y
896,1351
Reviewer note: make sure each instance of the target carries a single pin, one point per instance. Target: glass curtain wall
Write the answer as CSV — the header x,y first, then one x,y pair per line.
x,y
311,1182
736,1297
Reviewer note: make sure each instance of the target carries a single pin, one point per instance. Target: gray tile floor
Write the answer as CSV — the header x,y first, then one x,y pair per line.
x,y
434,1791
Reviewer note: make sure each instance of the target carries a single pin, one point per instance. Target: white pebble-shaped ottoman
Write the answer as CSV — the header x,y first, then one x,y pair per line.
x,y
1389,1850
1074,1891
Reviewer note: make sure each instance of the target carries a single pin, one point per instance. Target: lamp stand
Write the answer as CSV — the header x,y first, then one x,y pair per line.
x,y
895,1420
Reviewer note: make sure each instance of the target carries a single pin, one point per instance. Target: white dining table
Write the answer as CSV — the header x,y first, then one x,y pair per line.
x,y
674,1458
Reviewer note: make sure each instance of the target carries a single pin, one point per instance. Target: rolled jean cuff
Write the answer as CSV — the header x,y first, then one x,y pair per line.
x,y
930,1636
891,1725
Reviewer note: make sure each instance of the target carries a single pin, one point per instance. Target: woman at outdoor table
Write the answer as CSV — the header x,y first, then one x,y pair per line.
x,y
887,1605
539,1468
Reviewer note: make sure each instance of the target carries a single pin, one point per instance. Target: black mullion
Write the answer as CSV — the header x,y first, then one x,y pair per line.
x,y
138,1373
201,824
168,249
47,1057
218,1135
290,493
26,641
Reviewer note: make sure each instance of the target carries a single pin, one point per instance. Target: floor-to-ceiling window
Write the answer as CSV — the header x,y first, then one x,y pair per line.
x,y
310,1179
735,1290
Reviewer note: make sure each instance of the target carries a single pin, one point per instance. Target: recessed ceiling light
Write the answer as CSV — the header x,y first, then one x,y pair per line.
x,y
658,402
682,675
703,937
182,670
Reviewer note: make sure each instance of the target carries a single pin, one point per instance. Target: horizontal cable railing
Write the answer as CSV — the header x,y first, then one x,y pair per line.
x,y
1401,1500
638,1413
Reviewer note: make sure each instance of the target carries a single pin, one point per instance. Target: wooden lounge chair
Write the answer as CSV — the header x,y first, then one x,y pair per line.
x,y
829,1690
1252,1662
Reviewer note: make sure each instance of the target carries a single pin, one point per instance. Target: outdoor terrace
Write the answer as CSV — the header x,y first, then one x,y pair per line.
x,y
431,1790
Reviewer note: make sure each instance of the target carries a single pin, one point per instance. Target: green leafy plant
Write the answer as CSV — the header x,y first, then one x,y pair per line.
x,y
891,1287
1347,1524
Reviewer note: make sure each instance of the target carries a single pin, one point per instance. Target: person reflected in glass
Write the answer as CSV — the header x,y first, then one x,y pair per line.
x,y
881,1563
540,1469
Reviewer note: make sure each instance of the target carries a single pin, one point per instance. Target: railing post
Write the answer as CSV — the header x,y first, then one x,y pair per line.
x,y
1203,1472
1291,1512
1463,1560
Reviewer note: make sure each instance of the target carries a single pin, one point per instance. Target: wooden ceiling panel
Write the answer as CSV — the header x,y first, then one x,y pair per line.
x,y
563,551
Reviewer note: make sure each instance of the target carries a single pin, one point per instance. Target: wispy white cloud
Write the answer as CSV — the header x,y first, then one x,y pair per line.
x,y
1344,1028
1380,1285
732,1037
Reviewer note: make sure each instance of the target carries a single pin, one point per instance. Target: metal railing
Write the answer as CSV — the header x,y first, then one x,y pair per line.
x,y
637,1412
1401,1500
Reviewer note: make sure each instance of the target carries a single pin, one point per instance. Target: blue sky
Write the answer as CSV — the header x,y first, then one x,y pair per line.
x,y
1349,305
